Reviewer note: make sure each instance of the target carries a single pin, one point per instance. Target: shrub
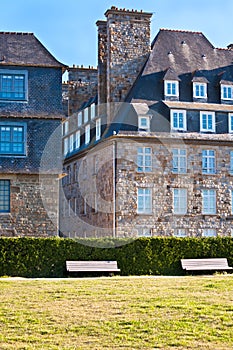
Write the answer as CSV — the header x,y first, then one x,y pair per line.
x,y
46,257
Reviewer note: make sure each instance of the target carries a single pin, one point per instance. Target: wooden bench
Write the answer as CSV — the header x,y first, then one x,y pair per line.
x,y
92,266
214,264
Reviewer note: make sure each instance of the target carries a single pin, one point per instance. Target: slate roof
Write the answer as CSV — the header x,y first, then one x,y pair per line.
x,y
185,51
24,49
186,55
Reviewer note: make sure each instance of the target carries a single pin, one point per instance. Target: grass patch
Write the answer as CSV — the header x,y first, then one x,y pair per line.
x,y
117,313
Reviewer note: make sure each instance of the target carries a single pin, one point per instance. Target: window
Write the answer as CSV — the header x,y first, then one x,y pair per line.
x,y
66,145
179,201
65,127
207,121
86,115
230,123
98,129
180,232
12,139
171,88
144,232
144,159
144,201
71,143
77,139
209,202
179,161
208,161
231,162
13,85
227,92
200,90
4,196
79,119
144,123
209,232
178,120
93,111
87,134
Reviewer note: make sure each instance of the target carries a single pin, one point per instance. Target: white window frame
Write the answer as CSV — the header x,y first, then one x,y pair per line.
x,y
98,129
207,128
180,232
144,159
209,232
93,110
230,123
141,125
209,202
80,117
198,88
65,145
231,202
179,112
65,127
208,161
171,88
71,143
77,139
179,161
144,232
87,134
86,115
144,197
226,92
179,201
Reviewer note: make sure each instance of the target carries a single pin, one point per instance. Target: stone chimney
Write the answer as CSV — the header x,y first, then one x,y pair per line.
x,y
124,45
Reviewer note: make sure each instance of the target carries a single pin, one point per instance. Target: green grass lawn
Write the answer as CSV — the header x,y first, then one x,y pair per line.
x,y
117,313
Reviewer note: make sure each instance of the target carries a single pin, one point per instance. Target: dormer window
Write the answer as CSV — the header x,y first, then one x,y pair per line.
x,y
171,88
144,123
199,90
227,92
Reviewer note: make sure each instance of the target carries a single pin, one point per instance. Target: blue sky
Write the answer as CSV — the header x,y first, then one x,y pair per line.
x,y
67,27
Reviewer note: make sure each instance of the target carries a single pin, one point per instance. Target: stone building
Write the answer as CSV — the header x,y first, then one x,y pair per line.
x,y
154,154
30,111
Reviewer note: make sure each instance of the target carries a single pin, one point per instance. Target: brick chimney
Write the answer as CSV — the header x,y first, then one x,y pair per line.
x,y
124,45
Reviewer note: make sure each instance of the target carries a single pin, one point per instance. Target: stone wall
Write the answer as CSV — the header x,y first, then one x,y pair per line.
x,y
128,46
82,85
34,207
87,201
162,181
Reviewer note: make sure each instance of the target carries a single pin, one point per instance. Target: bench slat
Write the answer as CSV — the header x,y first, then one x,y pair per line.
x,y
205,264
89,266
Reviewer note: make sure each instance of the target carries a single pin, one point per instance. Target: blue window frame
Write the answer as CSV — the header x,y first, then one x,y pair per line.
x,y
13,85
12,139
4,196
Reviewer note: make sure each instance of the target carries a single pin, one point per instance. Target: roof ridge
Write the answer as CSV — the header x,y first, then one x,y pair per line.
x,y
180,31
17,33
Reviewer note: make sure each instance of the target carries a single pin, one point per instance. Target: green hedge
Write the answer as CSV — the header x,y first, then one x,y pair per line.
x,y
45,257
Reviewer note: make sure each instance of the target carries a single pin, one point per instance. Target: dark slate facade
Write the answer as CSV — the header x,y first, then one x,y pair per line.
x,y
30,112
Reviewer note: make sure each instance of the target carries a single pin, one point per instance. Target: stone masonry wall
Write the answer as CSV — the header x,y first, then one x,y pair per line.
x,y
30,215
87,195
162,221
82,85
128,45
